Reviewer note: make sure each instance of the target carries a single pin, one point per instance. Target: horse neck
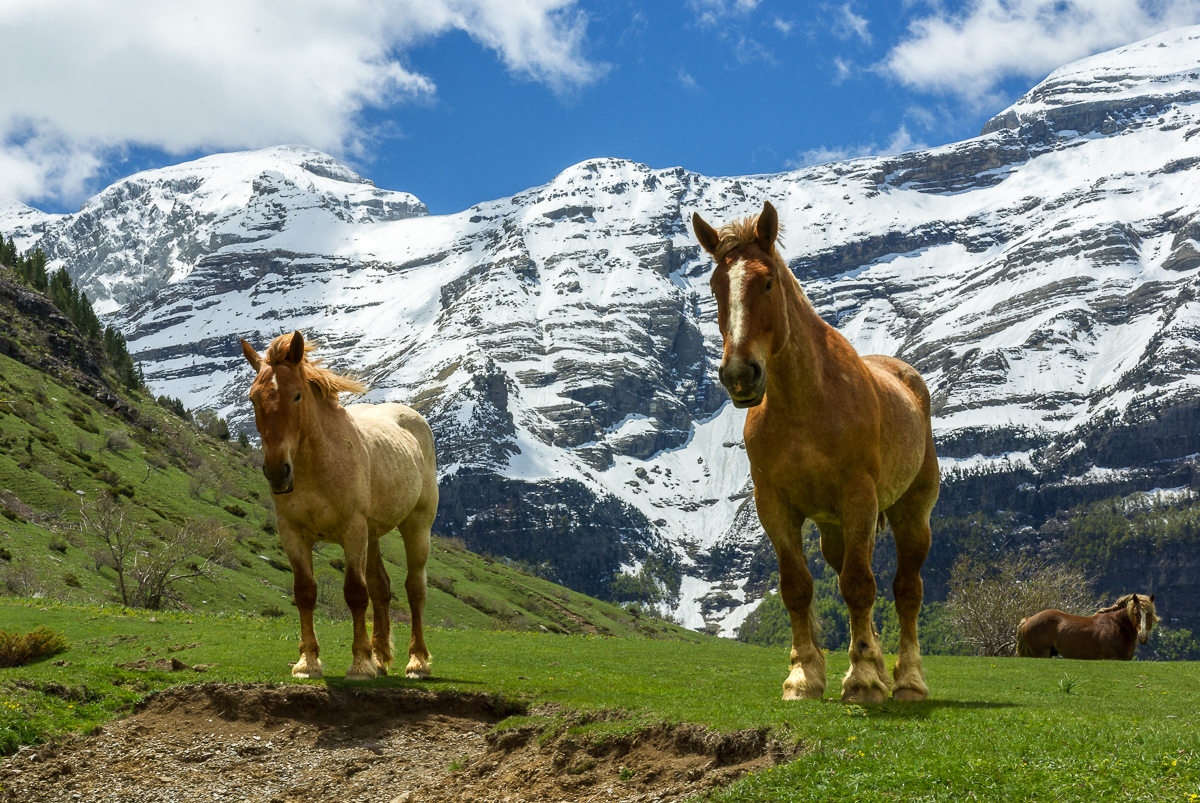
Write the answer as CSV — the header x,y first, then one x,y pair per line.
x,y
320,422
795,370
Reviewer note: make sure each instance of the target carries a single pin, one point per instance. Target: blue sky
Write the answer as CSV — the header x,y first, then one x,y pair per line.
x,y
462,101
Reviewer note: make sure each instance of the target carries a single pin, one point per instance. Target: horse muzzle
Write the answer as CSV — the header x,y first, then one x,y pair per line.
x,y
745,381
280,480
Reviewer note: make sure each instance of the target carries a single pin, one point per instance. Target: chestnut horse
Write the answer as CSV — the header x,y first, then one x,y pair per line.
x,y
345,476
1112,634
831,437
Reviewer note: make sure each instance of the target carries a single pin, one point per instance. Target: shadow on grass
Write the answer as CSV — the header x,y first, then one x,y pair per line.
x,y
397,682
922,709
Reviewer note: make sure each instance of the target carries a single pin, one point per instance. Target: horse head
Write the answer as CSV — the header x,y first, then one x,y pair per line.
x,y
751,307
1141,611
277,395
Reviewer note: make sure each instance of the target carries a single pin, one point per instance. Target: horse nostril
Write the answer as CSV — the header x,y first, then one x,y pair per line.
x,y
756,372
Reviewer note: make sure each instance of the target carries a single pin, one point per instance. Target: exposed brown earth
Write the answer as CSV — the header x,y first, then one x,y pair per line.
x,y
311,743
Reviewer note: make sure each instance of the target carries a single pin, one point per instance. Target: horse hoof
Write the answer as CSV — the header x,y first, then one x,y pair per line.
x,y
363,671
865,696
306,670
909,695
417,670
802,694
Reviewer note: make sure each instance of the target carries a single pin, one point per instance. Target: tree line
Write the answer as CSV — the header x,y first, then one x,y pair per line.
x,y
30,268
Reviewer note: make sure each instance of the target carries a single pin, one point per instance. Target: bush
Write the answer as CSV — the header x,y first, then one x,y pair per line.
x,y
18,649
116,441
271,612
1173,644
640,587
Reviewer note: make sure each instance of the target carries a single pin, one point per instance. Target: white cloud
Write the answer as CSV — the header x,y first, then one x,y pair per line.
x,y
848,24
83,79
844,69
717,12
970,52
899,142
687,80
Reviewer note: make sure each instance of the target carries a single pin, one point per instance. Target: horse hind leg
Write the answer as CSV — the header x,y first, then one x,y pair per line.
x,y
415,530
379,586
912,547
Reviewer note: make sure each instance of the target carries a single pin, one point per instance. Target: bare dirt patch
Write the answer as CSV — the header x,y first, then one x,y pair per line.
x,y
314,743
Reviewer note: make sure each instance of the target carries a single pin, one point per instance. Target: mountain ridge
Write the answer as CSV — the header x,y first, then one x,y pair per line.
x,y
563,344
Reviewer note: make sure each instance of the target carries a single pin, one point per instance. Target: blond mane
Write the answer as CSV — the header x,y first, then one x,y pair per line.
x,y
1127,600
327,383
743,232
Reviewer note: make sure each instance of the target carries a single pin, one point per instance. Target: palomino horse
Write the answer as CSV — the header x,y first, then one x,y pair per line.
x,y
1112,634
346,476
831,437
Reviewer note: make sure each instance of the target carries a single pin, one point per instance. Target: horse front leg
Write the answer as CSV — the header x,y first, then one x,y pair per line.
x,y
354,543
304,590
867,680
379,586
415,531
806,678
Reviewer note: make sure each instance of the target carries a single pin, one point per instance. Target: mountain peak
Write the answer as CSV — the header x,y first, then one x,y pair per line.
x,y
1092,94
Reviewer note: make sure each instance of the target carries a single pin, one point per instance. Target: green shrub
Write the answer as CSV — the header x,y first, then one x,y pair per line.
x,y
271,612
236,510
18,649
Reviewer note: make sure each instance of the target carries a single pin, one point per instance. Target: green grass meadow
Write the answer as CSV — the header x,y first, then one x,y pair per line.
x,y
994,729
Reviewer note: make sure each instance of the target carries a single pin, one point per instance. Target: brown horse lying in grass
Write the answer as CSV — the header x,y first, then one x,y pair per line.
x,y
833,437
1112,634
346,476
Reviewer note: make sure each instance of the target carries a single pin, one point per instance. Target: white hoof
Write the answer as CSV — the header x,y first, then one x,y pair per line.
x,y
416,669
308,670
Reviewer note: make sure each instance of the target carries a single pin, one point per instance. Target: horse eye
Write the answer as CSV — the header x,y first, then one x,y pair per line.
x,y
770,284
297,397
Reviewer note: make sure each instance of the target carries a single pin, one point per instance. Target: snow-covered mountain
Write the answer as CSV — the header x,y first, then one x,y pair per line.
x,y
563,343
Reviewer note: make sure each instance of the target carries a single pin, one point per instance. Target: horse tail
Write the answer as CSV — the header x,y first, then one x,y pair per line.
x,y
1023,649
881,524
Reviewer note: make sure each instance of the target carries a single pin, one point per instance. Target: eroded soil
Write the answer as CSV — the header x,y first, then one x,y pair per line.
x,y
314,743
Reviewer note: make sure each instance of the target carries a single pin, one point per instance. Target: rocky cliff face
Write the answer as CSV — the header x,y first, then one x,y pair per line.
x,y
563,343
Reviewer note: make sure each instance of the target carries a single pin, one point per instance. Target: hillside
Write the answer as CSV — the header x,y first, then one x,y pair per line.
x,y
562,342
71,435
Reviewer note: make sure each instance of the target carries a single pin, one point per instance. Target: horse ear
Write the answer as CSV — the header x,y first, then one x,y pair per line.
x,y
706,234
251,355
1152,598
767,227
296,350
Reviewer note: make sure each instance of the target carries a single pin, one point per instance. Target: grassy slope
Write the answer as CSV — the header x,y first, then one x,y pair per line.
x,y
45,459
1000,729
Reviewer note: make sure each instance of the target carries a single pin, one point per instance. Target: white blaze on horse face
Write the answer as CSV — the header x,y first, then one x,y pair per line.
x,y
1144,625
737,302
